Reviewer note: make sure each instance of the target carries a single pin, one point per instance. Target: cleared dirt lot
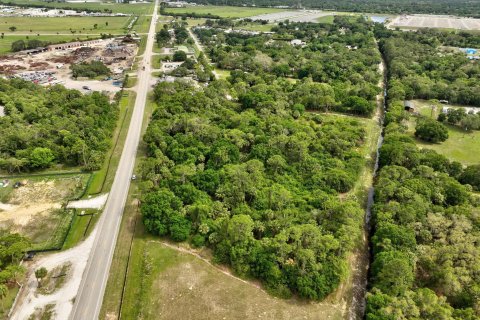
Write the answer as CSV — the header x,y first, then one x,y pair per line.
x,y
431,21
53,66
35,210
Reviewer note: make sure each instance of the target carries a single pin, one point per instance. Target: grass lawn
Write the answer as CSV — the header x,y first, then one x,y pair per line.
x,y
146,8
77,232
6,42
64,24
225,11
258,27
222,74
156,63
460,146
131,82
326,19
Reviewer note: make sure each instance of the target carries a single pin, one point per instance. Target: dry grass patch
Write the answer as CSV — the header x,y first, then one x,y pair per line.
x,y
173,284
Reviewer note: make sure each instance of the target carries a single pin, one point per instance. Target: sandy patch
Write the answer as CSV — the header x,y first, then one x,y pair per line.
x,y
6,207
21,215
92,203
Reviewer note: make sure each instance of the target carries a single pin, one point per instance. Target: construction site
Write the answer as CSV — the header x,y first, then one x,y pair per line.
x,y
52,64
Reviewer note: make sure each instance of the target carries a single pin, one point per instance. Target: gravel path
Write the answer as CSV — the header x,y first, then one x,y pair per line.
x,y
63,297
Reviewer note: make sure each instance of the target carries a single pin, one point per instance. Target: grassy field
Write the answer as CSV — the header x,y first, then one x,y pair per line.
x,y
326,19
258,27
225,11
460,146
142,25
146,8
64,24
156,62
165,283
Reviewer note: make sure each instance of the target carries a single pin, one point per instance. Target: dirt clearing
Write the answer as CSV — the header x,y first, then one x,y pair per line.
x,y
34,209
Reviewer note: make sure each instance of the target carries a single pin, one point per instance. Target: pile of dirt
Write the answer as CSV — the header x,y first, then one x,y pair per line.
x,y
83,52
10,57
63,59
39,65
10,69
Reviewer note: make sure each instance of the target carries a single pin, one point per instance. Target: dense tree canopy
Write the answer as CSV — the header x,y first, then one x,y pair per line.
x,y
338,64
256,180
425,222
420,67
44,126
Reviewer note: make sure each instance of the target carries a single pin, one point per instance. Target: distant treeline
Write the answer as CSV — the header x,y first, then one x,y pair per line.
x,y
51,5
463,8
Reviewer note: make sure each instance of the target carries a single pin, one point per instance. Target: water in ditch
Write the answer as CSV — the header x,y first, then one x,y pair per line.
x,y
363,258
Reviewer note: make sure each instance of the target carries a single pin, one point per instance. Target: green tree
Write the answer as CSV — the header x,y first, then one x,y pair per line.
x,y
179,56
431,130
471,176
41,158
40,274
18,45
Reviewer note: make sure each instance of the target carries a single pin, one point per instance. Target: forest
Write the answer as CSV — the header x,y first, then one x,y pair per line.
x,y
253,168
245,167
454,7
423,66
43,127
425,221
337,66
256,182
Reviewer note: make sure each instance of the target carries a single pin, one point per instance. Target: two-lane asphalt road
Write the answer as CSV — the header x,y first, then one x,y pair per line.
x,y
92,288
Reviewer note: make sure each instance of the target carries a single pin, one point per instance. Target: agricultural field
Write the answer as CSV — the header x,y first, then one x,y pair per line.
x,y
136,9
224,11
35,209
431,21
79,25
